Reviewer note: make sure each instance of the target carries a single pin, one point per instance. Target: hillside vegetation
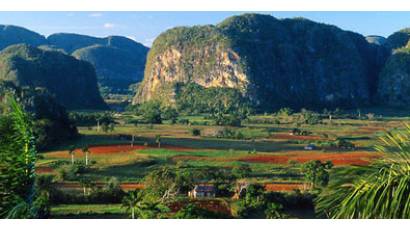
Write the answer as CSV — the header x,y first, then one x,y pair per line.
x,y
73,82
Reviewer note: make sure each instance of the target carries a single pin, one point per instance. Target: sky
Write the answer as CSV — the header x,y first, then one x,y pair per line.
x,y
145,26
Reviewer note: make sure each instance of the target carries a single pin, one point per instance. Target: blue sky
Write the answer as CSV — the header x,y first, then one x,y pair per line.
x,y
145,26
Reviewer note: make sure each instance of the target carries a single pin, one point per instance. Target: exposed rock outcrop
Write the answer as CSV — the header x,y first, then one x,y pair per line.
x,y
275,63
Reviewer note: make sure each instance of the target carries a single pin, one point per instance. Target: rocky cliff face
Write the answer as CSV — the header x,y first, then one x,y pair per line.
x,y
275,63
216,67
72,82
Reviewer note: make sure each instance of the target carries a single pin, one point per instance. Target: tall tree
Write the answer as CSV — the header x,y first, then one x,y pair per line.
x,y
86,152
17,152
71,152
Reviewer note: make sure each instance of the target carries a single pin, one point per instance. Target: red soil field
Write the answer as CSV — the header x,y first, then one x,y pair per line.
x,y
294,137
114,149
124,186
279,187
44,169
131,186
345,158
109,149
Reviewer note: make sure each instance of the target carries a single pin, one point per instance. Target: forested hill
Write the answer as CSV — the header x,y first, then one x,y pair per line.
x,y
274,63
73,82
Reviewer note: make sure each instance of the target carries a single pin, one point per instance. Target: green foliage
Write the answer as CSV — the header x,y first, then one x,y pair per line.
x,y
161,183
51,125
107,122
169,113
131,201
84,119
141,205
242,171
116,68
284,112
274,211
398,39
394,79
192,211
11,35
194,99
253,203
317,173
344,144
17,151
308,117
300,78
151,112
230,133
73,82
381,192
196,132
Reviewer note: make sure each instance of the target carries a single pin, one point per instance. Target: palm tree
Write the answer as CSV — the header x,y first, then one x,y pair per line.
x,y
158,140
71,152
380,191
86,183
86,151
132,200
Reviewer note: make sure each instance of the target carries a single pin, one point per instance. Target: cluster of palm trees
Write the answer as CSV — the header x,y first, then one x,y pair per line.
x,y
85,150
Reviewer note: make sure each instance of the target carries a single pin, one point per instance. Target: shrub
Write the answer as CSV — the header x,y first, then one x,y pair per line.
x,y
183,121
151,112
169,113
229,133
196,132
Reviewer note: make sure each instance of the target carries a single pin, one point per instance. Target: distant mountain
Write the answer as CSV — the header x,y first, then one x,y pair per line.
x,y
116,68
119,61
71,81
71,42
274,63
11,35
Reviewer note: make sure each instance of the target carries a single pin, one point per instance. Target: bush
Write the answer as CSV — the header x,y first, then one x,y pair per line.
x,y
169,113
230,133
151,112
183,121
242,171
196,132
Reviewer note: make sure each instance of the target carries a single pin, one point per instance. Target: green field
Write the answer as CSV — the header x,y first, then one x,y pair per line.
x,y
284,153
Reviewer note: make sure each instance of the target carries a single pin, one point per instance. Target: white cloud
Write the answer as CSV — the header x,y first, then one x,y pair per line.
x,y
109,25
95,15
